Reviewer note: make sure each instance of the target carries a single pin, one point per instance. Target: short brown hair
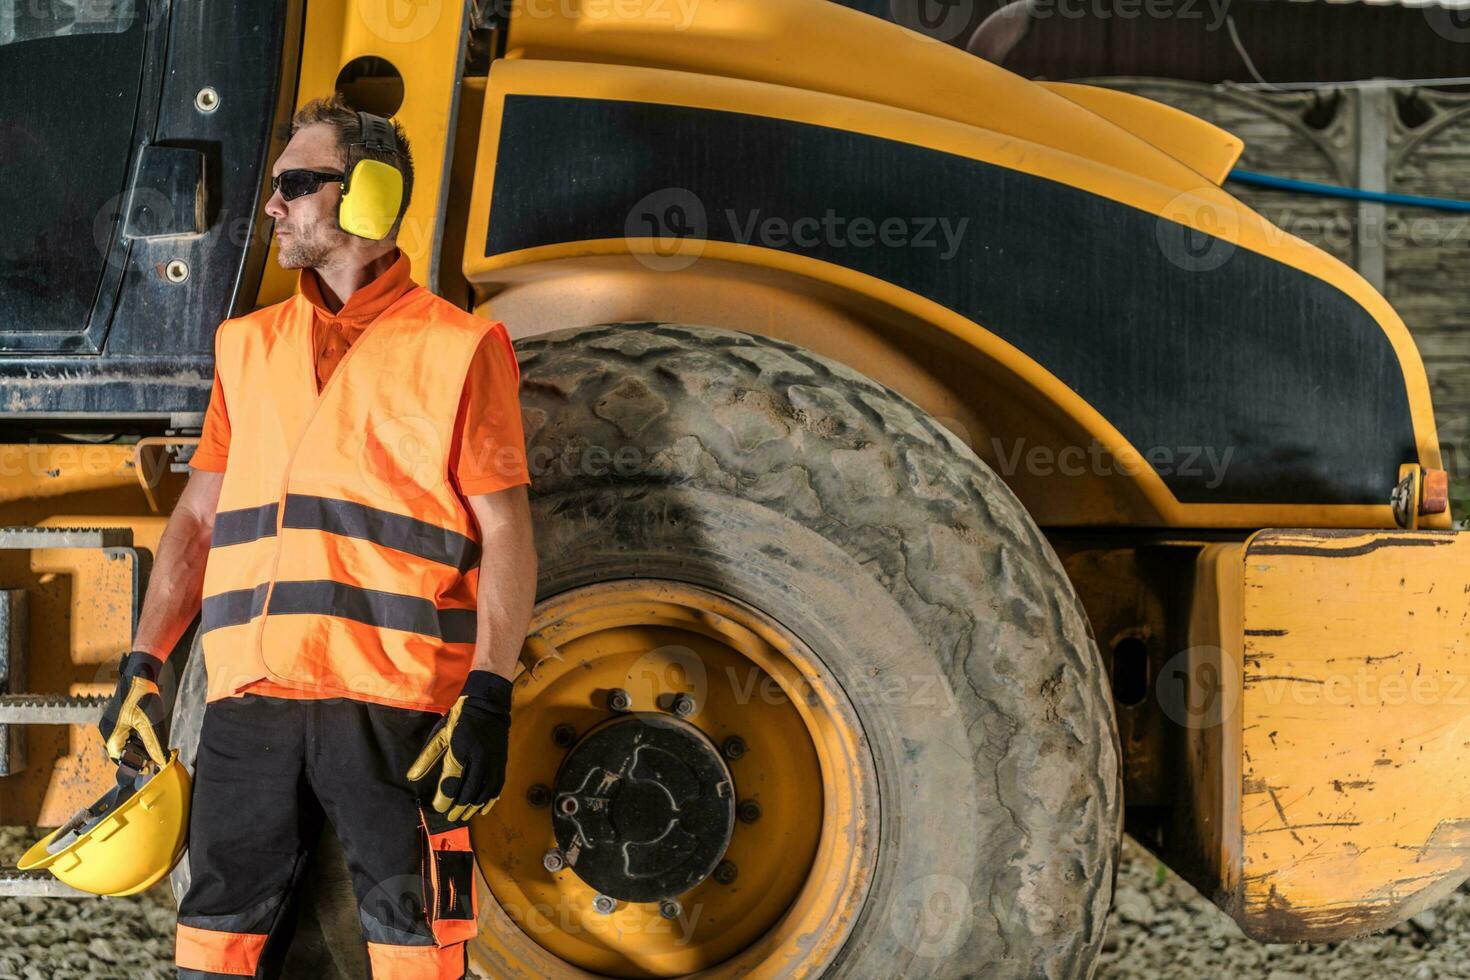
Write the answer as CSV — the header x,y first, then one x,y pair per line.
x,y
342,117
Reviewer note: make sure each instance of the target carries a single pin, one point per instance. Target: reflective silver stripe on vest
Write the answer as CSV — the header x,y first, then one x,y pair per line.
x,y
324,597
245,524
406,534
231,608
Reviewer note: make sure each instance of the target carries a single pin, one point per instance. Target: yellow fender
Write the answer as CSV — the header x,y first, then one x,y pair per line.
x,y
1203,147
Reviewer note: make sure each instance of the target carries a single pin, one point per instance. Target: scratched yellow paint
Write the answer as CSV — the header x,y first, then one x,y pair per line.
x,y
1355,728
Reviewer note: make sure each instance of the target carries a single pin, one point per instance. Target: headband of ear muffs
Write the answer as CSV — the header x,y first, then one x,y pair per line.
x,y
372,191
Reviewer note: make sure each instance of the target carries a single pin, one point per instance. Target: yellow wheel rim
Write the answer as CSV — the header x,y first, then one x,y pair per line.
x,y
803,866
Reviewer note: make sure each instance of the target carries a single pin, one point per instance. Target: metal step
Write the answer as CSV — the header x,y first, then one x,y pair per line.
x,y
65,537
51,709
39,883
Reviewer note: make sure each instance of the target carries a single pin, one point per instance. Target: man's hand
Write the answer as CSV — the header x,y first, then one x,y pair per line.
x,y
136,707
473,739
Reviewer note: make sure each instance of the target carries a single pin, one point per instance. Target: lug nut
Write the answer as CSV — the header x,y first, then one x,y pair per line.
x,y
619,700
568,805
564,736
726,872
538,796
684,705
604,905
553,861
669,909
734,747
749,811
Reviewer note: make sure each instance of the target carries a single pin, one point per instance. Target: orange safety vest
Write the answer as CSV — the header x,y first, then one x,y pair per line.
x,y
344,562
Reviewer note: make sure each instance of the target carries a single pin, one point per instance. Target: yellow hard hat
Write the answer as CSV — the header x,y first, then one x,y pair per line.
x,y
129,839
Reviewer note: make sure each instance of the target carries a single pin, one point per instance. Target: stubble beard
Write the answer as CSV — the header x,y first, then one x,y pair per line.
x,y
303,252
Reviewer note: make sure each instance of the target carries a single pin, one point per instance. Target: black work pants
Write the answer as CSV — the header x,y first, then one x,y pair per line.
x,y
269,771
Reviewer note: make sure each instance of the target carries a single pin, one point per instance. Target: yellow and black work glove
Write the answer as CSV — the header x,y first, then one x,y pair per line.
x,y
473,739
136,707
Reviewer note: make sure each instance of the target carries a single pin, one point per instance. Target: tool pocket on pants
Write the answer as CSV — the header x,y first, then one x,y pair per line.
x,y
450,901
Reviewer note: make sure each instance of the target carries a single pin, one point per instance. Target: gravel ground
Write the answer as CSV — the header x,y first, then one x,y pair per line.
x,y
73,938
1160,927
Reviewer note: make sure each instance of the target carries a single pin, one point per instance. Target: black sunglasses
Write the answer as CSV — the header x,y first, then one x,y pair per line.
x,y
294,183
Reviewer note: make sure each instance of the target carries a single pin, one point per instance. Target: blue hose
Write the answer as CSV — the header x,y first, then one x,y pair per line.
x,y
1350,193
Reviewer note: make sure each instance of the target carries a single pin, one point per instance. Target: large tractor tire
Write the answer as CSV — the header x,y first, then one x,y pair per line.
x,y
886,745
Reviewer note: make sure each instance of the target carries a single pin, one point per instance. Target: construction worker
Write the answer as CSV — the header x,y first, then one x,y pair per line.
x,y
356,537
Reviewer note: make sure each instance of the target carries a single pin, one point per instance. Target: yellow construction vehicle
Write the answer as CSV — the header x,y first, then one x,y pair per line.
x,y
942,462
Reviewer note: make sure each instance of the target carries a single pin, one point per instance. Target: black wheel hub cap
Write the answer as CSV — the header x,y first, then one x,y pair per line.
x,y
643,807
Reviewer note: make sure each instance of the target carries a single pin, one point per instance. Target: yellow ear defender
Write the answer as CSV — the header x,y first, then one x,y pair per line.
x,y
372,191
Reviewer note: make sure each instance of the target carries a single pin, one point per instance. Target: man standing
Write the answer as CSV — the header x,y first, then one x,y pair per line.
x,y
356,536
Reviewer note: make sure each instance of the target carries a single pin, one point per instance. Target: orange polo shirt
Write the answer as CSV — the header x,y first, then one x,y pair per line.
x,y
489,452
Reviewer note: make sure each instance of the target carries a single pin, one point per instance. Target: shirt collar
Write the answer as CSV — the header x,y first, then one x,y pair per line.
x,y
367,302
